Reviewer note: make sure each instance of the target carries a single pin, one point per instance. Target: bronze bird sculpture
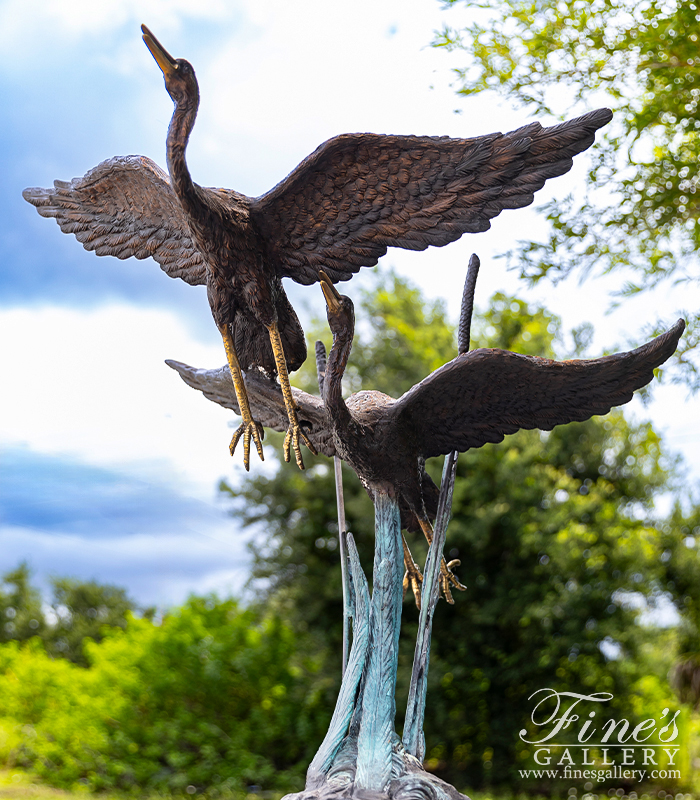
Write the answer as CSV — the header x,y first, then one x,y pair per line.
x,y
339,210
476,398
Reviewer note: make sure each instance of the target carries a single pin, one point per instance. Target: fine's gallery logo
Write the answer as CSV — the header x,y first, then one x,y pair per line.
x,y
572,738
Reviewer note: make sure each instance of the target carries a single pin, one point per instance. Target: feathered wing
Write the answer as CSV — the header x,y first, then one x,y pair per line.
x,y
266,401
359,194
124,207
485,394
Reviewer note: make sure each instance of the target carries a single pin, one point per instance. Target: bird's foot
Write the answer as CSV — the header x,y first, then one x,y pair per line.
x,y
248,429
295,435
448,578
413,578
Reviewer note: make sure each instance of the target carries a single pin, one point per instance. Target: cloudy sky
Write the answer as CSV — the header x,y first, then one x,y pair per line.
x,y
109,463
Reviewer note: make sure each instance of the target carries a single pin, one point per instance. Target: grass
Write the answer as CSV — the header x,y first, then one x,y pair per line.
x,y
16,785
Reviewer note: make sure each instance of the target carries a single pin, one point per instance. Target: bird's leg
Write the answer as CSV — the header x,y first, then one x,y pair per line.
x,y
413,576
249,428
447,577
294,432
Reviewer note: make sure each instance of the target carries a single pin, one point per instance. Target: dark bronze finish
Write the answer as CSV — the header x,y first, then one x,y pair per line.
x,y
339,210
479,397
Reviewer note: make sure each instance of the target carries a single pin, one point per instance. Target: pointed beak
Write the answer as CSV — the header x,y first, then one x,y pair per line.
x,y
163,58
329,292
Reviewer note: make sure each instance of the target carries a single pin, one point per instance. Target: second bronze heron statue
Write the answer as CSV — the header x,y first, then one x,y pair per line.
x,y
476,398
339,210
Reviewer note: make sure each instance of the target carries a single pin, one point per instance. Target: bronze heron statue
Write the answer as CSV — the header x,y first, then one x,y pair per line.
x,y
339,210
478,397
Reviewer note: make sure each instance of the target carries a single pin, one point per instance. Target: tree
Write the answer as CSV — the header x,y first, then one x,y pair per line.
x,y
21,615
79,610
642,205
83,610
683,582
556,533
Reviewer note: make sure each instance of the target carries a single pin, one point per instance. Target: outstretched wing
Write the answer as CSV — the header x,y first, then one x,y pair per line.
x,y
124,207
359,194
484,394
266,401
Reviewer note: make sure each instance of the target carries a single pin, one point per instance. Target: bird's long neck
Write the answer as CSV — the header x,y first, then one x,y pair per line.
x,y
179,131
333,383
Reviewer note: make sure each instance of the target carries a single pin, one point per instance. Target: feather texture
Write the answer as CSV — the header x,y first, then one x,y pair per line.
x,y
483,395
479,397
266,401
359,194
339,210
125,207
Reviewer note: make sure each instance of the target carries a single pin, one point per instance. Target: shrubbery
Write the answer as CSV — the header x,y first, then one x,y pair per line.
x,y
214,697
79,610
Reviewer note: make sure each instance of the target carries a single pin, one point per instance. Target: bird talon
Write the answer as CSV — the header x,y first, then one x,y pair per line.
x,y
248,430
247,436
292,441
409,580
235,439
447,578
413,578
445,586
307,442
287,447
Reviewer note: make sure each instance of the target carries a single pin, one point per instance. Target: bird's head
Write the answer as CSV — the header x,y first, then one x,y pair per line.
x,y
180,80
339,308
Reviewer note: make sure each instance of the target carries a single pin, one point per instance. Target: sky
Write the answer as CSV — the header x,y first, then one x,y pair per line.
x,y
110,464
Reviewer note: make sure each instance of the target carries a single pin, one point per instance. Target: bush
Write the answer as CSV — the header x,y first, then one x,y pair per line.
x,y
214,697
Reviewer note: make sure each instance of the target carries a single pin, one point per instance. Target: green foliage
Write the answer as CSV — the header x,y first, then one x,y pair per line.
x,y
21,615
510,324
641,210
214,697
559,547
58,713
408,337
83,610
80,610
683,582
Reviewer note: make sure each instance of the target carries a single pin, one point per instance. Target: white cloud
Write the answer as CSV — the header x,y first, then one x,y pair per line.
x,y
93,384
27,25
152,571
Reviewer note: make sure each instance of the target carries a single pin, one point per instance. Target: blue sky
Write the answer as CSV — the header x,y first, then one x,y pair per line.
x,y
110,464
68,517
